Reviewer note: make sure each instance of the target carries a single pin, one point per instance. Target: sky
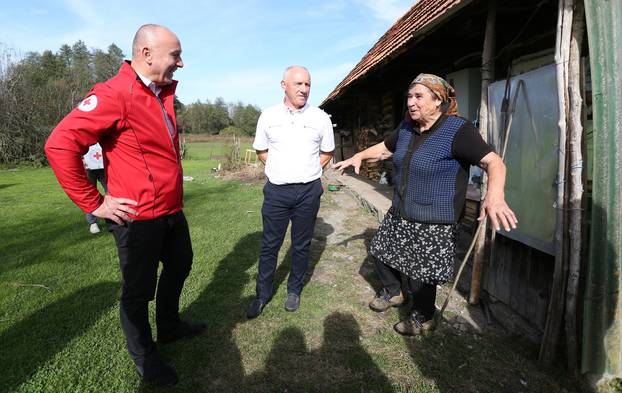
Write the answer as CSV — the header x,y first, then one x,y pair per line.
x,y
236,50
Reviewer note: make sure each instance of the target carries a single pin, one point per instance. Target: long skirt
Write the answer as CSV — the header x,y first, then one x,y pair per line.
x,y
421,251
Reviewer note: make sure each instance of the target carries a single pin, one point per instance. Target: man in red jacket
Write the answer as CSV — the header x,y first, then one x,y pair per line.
x,y
132,118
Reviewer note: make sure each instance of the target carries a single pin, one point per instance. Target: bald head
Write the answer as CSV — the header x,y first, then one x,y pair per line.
x,y
145,37
156,53
296,84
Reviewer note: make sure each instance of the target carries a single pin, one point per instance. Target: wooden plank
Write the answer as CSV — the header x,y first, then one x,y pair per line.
x,y
488,71
555,315
503,260
523,286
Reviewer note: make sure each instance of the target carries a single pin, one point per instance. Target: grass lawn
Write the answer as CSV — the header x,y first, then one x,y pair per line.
x,y
213,150
59,288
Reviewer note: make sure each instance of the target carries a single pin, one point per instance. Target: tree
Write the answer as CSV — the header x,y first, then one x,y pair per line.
x,y
106,65
66,55
218,116
194,118
80,70
244,117
214,117
52,66
38,90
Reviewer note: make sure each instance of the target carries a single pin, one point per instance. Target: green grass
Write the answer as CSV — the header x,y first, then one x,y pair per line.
x,y
213,150
68,338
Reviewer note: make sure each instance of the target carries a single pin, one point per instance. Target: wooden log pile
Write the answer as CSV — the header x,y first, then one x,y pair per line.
x,y
379,122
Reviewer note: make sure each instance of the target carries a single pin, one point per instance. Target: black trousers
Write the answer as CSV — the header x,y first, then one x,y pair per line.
x,y
298,203
423,294
142,245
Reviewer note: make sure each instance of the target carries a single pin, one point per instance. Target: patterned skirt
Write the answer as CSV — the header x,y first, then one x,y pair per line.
x,y
424,252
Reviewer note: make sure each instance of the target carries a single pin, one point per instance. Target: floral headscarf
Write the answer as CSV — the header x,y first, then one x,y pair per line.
x,y
442,89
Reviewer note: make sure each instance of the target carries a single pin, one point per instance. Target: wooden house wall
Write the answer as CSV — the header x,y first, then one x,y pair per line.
x,y
515,274
520,276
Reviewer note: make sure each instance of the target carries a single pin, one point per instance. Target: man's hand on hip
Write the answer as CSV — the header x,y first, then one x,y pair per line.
x,y
116,209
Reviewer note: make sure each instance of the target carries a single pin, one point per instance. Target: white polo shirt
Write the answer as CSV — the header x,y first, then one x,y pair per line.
x,y
294,139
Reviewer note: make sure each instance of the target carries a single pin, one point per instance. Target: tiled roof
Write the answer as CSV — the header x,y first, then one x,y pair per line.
x,y
415,21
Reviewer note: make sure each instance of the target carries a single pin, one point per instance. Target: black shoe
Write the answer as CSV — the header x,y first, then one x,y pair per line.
x,y
255,309
292,303
157,373
183,330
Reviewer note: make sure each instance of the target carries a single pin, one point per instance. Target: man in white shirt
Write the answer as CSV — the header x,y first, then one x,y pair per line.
x,y
295,141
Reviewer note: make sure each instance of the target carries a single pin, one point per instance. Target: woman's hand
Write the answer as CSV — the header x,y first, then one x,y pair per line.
x,y
371,154
498,211
354,161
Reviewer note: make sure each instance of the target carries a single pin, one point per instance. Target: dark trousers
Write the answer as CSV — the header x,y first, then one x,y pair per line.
x,y
423,294
95,175
298,203
141,245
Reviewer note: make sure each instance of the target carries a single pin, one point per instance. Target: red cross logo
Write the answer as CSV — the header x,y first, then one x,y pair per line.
x,y
88,104
97,155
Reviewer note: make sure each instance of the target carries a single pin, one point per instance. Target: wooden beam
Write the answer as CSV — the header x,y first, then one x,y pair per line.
x,y
555,315
488,75
575,202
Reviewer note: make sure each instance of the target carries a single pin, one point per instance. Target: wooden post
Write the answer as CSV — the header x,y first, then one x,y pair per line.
x,y
575,129
488,74
555,315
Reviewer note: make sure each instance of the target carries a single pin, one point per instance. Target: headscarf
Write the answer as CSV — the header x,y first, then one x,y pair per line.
x,y
441,89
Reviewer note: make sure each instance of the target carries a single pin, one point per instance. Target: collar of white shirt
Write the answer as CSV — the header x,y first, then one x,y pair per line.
x,y
290,110
151,85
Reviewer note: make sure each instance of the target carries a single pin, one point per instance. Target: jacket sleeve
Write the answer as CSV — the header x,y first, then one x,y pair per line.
x,y
98,114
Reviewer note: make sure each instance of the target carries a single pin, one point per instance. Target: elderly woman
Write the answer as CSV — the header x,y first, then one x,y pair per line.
x,y
432,150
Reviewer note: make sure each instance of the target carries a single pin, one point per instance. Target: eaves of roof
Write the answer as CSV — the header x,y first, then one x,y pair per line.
x,y
424,15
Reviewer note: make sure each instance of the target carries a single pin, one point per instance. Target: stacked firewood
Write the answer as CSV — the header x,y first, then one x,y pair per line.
x,y
385,126
368,136
379,121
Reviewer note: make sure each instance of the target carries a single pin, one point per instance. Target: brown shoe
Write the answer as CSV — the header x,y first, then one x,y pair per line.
x,y
415,325
383,301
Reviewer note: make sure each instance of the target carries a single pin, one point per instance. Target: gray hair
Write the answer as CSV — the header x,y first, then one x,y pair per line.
x,y
292,67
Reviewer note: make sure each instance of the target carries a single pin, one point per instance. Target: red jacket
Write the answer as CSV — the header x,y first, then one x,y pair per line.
x,y
141,159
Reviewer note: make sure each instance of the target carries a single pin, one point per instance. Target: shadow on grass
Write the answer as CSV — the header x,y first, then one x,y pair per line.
x,y
214,362
446,359
341,364
27,243
458,363
30,343
2,186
